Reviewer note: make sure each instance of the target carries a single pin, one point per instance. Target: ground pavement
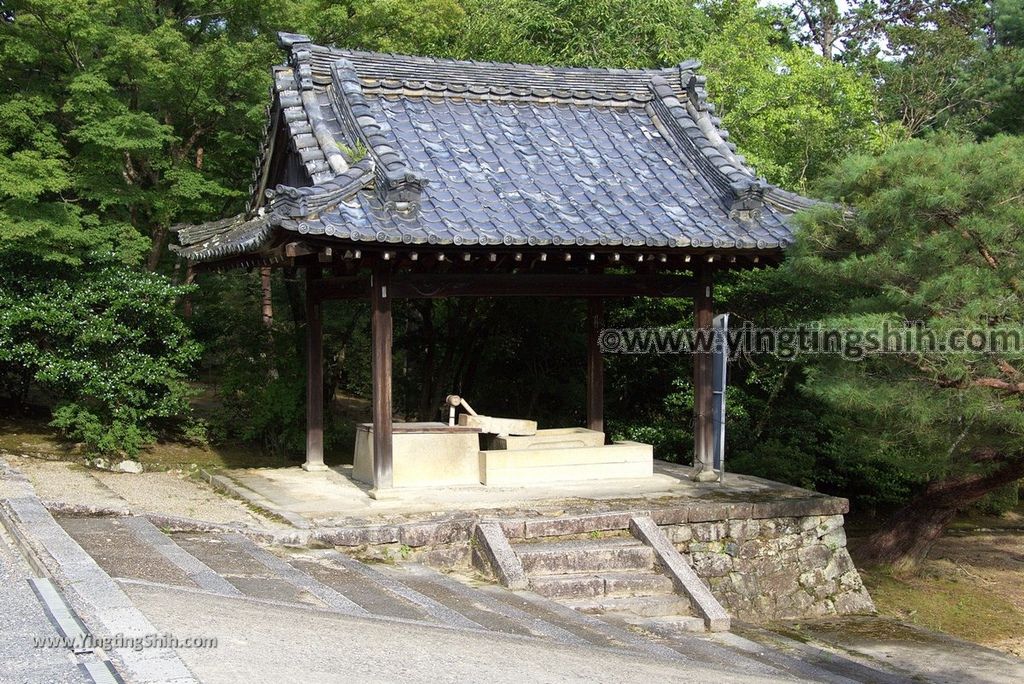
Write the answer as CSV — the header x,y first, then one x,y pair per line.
x,y
318,614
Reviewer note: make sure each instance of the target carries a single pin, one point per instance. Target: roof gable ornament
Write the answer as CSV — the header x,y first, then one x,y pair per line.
x,y
749,201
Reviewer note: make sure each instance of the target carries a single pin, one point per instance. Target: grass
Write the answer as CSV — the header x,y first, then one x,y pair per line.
x,y
970,586
958,606
31,437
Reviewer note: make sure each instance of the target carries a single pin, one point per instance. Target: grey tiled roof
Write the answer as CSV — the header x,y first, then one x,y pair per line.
x,y
413,150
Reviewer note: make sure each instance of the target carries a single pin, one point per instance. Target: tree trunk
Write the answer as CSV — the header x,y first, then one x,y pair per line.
x,y
908,535
156,249
428,342
267,298
186,311
296,305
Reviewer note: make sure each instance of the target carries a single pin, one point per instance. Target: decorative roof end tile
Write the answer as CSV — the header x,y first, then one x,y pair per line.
x,y
749,201
286,40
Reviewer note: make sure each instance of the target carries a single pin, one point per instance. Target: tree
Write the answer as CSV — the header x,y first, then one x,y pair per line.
x,y
793,113
609,33
117,120
154,108
935,239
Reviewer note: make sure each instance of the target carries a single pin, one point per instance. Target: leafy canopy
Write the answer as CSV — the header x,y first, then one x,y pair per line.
x,y
936,239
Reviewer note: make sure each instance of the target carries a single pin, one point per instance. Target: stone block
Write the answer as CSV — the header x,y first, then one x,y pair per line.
x,y
445,557
553,438
836,539
853,602
851,581
839,564
577,524
828,524
499,426
669,516
357,536
422,459
513,528
704,511
800,508
709,531
434,533
707,547
711,564
744,529
679,534
823,590
624,460
568,586
491,551
589,556
815,556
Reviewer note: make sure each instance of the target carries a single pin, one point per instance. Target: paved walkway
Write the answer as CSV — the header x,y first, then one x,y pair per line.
x,y
318,614
21,620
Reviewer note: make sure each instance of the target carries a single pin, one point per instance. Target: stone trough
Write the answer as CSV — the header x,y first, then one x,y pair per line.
x,y
483,450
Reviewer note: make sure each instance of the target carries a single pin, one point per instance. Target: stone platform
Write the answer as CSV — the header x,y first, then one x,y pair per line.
x,y
766,550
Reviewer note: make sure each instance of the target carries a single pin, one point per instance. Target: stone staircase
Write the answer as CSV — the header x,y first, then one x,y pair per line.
x,y
632,576
603,575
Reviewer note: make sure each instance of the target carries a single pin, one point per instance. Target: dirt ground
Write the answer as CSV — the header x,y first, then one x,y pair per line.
x,y
971,586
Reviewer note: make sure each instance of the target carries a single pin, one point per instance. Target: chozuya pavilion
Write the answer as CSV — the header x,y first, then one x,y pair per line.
x,y
385,176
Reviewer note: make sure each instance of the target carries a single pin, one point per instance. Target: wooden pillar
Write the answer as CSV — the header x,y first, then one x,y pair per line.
x,y
702,378
380,324
595,365
314,377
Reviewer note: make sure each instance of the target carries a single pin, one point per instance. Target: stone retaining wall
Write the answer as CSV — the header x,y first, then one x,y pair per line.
x,y
775,568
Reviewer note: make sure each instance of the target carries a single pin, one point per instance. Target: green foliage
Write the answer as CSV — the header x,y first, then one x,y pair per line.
x,y
106,346
936,239
130,113
259,372
429,27
794,113
612,33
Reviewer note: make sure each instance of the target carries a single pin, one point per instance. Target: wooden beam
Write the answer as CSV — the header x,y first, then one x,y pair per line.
x,y
595,365
703,315
314,377
436,285
342,287
299,249
380,327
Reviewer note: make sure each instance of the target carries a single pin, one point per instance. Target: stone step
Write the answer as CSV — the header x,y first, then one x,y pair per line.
x,y
588,585
374,598
672,625
230,559
579,556
588,629
121,554
462,599
657,605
